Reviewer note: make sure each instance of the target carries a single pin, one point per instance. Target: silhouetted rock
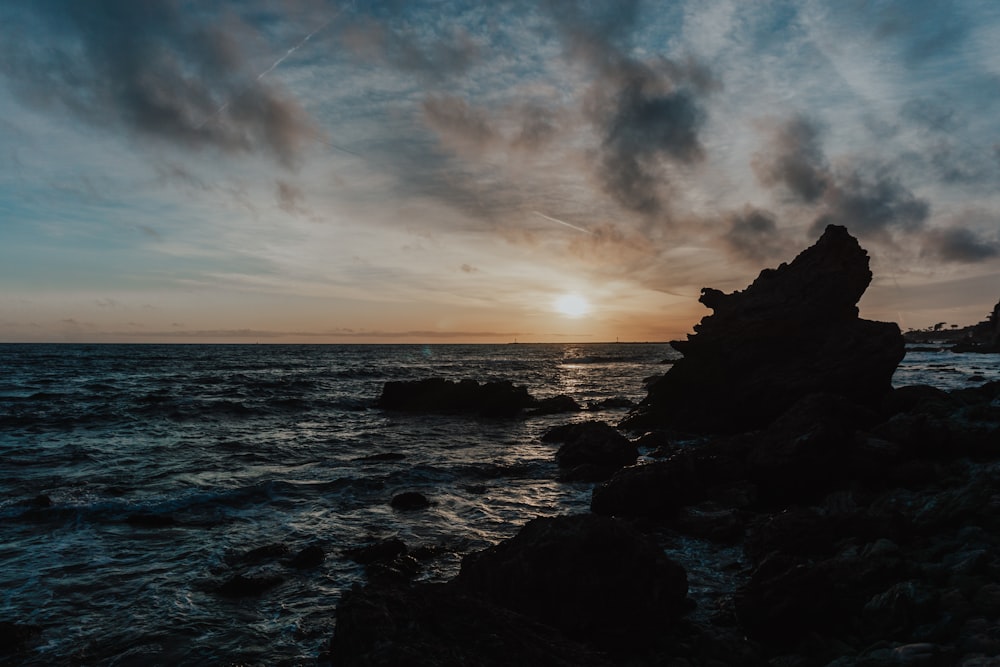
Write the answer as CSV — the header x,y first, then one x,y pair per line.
x,y
795,331
410,500
554,405
308,558
437,395
658,489
591,577
379,551
613,403
436,625
807,450
14,639
592,451
267,552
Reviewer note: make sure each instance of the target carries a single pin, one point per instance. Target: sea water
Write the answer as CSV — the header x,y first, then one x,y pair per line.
x,y
222,449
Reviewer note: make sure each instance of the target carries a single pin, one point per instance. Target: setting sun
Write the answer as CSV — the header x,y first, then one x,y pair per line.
x,y
572,305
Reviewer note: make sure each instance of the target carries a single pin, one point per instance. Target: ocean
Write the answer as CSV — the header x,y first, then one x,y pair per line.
x,y
136,479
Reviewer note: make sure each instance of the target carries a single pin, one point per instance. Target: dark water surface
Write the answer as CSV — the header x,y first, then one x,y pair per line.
x,y
244,446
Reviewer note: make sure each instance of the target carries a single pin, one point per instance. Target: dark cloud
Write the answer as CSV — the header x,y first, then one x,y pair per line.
x,y
159,69
871,206
871,203
537,126
455,118
958,244
753,234
794,160
643,119
290,198
933,113
645,111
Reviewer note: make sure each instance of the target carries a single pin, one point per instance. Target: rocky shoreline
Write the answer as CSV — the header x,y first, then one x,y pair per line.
x,y
868,517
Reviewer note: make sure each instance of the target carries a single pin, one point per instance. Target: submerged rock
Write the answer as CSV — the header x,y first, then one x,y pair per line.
x,y
410,500
795,331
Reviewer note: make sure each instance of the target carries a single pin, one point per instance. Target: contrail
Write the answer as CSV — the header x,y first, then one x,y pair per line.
x,y
562,222
296,47
275,64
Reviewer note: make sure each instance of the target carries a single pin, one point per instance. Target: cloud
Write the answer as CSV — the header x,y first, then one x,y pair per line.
x,y
871,207
753,234
291,199
870,201
157,69
459,123
794,160
958,244
644,111
434,58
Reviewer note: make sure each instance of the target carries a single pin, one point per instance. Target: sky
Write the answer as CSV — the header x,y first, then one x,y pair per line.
x,y
326,171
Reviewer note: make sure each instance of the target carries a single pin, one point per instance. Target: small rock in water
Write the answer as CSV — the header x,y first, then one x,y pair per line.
x,y
410,500
258,555
555,405
380,551
308,558
613,403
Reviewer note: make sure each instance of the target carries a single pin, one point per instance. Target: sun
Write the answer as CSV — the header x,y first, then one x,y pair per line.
x,y
572,305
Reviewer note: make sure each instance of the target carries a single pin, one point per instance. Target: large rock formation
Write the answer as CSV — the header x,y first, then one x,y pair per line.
x,y
794,331
591,577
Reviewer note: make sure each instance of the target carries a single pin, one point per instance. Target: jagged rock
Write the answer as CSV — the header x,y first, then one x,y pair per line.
x,y
437,395
596,445
591,577
795,331
436,625
379,551
658,489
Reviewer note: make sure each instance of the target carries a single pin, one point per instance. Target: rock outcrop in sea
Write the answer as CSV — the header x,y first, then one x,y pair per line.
x,y
868,516
795,331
